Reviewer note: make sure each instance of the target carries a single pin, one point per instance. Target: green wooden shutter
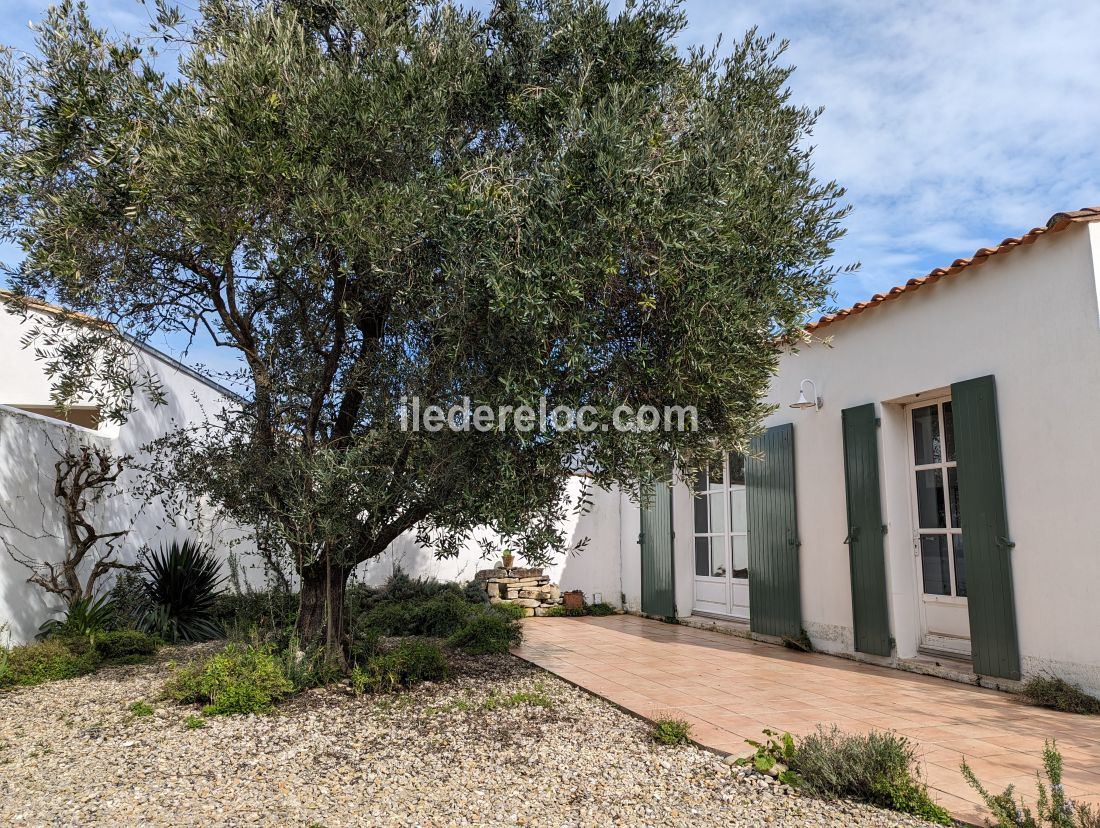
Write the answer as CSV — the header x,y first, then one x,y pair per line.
x,y
774,596
994,646
870,615
658,583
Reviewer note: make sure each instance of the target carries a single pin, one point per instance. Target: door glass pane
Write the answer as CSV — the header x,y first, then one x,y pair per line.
x,y
926,435
718,557
949,431
740,556
739,519
702,556
717,503
737,469
702,517
960,566
953,496
934,564
930,508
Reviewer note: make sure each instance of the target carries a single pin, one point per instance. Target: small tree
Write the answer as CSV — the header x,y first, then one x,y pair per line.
x,y
84,476
372,202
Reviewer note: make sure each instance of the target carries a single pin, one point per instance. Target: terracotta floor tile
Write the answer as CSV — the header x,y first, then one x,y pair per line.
x,y
730,689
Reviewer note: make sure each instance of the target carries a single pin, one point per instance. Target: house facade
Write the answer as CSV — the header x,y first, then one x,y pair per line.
x,y
940,505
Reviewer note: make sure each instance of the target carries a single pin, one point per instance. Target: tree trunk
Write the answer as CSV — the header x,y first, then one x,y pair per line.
x,y
321,607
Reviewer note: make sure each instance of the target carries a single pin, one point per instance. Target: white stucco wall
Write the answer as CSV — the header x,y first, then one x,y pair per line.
x,y
27,458
597,567
1030,318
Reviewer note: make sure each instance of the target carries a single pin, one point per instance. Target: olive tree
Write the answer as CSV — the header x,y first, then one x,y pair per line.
x,y
378,203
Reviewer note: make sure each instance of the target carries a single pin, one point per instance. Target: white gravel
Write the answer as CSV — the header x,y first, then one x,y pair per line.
x,y
71,754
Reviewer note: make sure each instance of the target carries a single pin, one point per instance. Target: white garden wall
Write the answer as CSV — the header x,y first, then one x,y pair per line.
x,y
27,458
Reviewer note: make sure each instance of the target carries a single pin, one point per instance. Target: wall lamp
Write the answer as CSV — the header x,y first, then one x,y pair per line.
x,y
803,402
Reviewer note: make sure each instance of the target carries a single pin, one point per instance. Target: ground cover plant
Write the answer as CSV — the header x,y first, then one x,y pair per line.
x,y
399,636
668,730
1053,809
601,609
1058,694
878,768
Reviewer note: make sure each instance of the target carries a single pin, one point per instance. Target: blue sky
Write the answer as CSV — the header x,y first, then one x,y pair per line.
x,y
953,125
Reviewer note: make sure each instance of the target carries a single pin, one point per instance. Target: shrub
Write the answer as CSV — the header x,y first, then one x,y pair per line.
x,y
306,668
488,632
601,609
1053,809
408,664
51,660
180,584
879,768
186,684
400,587
269,611
390,618
474,592
441,616
125,644
194,722
1059,694
565,612
239,679
141,708
243,679
364,641
129,600
513,611
84,617
670,731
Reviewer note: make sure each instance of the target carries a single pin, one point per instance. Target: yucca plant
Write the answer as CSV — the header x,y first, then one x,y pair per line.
x,y
85,616
181,582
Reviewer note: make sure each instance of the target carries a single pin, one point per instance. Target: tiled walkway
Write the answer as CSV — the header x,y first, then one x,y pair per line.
x,y
730,688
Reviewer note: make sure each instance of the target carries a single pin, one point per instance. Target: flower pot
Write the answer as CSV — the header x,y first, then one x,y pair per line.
x,y
507,560
574,599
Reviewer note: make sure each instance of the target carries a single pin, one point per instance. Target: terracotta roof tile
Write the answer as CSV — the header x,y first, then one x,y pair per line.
x,y
1057,223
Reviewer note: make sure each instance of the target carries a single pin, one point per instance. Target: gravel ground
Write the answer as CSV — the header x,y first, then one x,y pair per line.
x,y
71,753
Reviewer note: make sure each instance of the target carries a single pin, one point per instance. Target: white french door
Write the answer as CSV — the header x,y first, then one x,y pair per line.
x,y
937,536
721,541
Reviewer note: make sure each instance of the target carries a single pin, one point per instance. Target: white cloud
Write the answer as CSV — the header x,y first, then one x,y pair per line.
x,y
952,124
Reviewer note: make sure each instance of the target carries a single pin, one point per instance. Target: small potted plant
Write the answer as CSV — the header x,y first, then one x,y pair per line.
x,y
507,558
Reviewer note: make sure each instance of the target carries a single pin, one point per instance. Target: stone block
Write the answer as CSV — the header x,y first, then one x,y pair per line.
x,y
526,602
493,589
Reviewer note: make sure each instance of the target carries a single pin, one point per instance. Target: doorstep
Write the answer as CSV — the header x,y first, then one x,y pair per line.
x,y
715,623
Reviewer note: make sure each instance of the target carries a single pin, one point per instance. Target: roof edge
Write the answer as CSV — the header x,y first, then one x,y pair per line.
x,y
37,305
1055,224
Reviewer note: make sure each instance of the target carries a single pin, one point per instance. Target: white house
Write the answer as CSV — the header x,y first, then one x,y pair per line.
x,y
940,506
33,431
